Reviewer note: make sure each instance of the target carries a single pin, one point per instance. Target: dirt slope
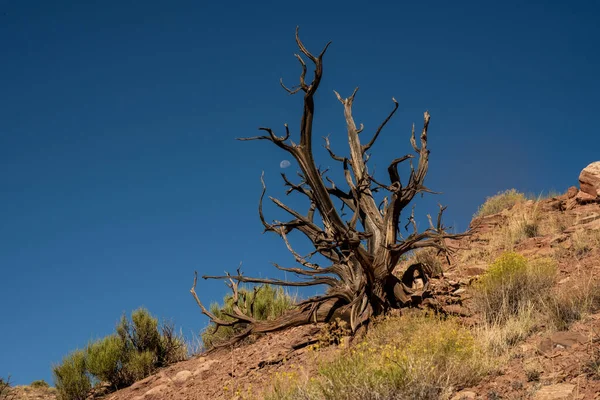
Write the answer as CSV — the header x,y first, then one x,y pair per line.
x,y
545,366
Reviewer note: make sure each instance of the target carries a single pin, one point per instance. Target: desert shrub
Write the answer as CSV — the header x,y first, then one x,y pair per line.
x,y
267,302
556,223
498,337
172,347
409,357
136,350
430,259
332,334
105,360
142,333
570,304
71,378
499,202
5,391
39,384
523,222
140,364
511,284
583,241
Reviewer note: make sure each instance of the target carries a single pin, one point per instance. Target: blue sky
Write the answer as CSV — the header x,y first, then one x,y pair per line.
x,y
119,170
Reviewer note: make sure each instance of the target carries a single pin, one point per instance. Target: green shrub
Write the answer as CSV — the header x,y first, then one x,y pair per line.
x,y
39,384
499,202
267,302
140,365
104,360
142,333
136,350
512,284
71,378
172,347
409,357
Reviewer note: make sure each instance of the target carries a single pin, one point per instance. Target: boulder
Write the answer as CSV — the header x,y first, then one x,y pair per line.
x,y
589,179
182,376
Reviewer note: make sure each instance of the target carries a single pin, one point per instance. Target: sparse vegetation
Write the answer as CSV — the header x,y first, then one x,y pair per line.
x,y
264,303
5,392
583,241
332,334
499,202
498,336
408,357
136,350
571,303
555,223
431,260
71,378
357,250
513,284
39,384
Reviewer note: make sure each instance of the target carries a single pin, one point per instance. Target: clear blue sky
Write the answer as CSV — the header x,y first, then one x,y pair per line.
x,y
120,175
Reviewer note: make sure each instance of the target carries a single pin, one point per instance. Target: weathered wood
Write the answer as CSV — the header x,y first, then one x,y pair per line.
x,y
359,281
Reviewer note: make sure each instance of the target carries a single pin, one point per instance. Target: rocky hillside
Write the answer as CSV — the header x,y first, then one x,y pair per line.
x,y
30,392
551,358
547,364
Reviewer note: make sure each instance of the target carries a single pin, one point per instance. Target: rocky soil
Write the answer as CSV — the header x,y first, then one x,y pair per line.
x,y
543,367
547,365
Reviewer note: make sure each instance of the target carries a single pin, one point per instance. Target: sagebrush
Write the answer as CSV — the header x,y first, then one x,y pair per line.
x,y
134,351
408,357
511,284
499,202
265,302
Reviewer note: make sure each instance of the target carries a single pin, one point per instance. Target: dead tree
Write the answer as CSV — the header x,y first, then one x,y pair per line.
x,y
362,252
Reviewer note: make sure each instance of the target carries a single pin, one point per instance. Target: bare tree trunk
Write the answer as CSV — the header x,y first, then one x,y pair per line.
x,y
360,283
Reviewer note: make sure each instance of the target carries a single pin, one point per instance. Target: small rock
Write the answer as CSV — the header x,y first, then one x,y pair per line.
x,y
584,198
464,394
567,339
182,376
155,391
459,291
572,192
561,340
554,392
204,367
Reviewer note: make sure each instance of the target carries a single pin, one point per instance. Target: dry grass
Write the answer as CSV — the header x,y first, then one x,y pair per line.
x,y
556,223
416,357
569,304
499,202
512,297
430,259
499,338
5,390
523,223
583,241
